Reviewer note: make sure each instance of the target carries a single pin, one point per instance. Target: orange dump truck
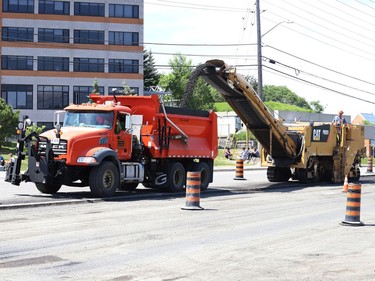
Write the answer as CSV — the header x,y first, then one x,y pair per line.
x,y
117,142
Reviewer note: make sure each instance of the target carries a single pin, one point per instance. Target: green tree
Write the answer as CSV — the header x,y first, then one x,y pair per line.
x,y
187,88
179,77
35,128
151,76
316,106
126,90
95,87
202,97
8,121
284,95
252,81
366,122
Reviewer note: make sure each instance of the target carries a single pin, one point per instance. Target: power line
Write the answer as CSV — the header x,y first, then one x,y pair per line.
x,y
196,6
319,86
298,71
321,66
329,37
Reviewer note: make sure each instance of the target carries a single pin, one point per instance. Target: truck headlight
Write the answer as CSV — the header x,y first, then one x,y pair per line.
x,y
86,160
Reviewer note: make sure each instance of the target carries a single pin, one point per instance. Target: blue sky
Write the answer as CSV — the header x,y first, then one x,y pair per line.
x,y
324,50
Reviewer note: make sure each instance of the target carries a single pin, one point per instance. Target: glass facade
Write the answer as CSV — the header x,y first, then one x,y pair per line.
x,y
19,34
54,7
53,35
123,11
16,62
18,6
123,66
89,9
52,97
123,38
53,64
89,37
18,96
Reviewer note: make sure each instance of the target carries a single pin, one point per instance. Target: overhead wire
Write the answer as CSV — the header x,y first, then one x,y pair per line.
x,y
327,37
334,43
321,66
195,6
300,71
321,86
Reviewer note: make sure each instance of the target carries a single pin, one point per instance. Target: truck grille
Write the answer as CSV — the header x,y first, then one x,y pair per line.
x,y
58,149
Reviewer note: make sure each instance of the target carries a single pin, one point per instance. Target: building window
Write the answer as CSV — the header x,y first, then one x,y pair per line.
x,y
53,63
54,7
18,6
23,34
123,66
88,65
81,93
123,38
18,96
123,11
53,97
89,37
16,63
120,90
89,9
53,35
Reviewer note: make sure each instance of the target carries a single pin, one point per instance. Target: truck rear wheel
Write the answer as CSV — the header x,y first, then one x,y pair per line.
x,y
205,174
278,174
104,179
176,177
48,188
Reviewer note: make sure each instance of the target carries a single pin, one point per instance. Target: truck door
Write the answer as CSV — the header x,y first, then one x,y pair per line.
x,y
123,136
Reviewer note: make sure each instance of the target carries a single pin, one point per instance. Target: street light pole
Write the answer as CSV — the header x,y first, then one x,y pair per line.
x,y
259,53
285,21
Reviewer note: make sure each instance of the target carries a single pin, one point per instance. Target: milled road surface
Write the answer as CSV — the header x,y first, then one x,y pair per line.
x,y
290,233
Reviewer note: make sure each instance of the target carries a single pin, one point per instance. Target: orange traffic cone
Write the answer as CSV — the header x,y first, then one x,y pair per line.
x,y
345,186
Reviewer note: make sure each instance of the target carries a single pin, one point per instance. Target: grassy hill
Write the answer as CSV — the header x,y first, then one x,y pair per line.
x,y
224,106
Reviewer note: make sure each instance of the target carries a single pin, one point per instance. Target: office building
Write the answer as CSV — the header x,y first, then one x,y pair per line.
x,y
52,51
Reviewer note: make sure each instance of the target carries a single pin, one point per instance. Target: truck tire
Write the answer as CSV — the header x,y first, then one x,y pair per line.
x,y
104,179
176,177
278,174
48,188
205,174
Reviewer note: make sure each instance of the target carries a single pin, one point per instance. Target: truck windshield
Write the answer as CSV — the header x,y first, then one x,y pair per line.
x,y
88,119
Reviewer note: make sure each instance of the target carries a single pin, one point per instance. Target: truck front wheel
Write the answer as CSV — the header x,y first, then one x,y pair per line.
x,y
104,179
48,188
176,177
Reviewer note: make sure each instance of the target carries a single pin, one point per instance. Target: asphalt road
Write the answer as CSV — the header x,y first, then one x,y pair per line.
x,y
248,230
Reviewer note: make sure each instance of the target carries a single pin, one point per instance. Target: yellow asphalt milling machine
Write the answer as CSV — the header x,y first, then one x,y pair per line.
x,y
308,152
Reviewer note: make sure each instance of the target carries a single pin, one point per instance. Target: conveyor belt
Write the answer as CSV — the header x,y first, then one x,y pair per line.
x,y
256,118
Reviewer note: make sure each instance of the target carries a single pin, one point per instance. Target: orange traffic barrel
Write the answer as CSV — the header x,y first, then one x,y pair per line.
x,y
239,170
193,191
353,206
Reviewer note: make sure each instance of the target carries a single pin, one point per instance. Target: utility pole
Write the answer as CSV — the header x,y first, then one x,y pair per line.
x,y
259,44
